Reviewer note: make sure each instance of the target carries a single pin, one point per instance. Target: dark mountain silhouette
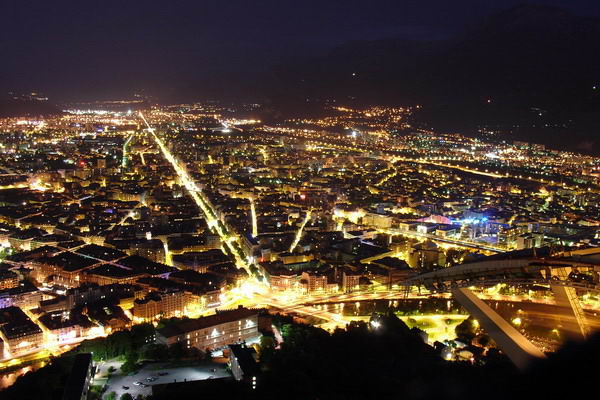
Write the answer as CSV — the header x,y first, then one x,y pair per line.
x,y
531,71
10,107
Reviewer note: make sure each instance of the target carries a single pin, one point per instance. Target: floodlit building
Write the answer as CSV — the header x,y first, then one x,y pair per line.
x,y
160,305
19,333
214,331
8,279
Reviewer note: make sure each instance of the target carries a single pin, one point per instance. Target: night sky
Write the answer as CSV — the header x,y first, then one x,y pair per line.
x,y
84,50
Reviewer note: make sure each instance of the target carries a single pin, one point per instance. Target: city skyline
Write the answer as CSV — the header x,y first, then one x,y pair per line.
x,y
340,200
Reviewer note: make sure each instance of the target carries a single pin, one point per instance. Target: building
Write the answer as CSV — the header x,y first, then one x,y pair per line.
x,y
377,220
447,230
350,280
8,279
64,269
128,270
426,255
427,228
25,296
243,364
212,332
207,282
151,249
190,243
315,281
389,271
529,240
19,333
249,244
284,280
90,293
80,378
65,326
160,305
280,277
200,260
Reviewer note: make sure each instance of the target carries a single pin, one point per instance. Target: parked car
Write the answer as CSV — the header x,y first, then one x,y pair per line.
x,y
137,383
125,387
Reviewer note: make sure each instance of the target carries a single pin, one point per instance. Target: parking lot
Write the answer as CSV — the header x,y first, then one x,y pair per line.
x,y
198,372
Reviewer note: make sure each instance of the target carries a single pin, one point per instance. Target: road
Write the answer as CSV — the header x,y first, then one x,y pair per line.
x,y
456,242
125,147
227,236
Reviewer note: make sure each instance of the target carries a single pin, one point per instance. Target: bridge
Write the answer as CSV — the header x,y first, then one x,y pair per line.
x,y
456,242
564,272
576,269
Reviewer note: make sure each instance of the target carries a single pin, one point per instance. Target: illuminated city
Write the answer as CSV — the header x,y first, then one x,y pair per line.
x,y
152,248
